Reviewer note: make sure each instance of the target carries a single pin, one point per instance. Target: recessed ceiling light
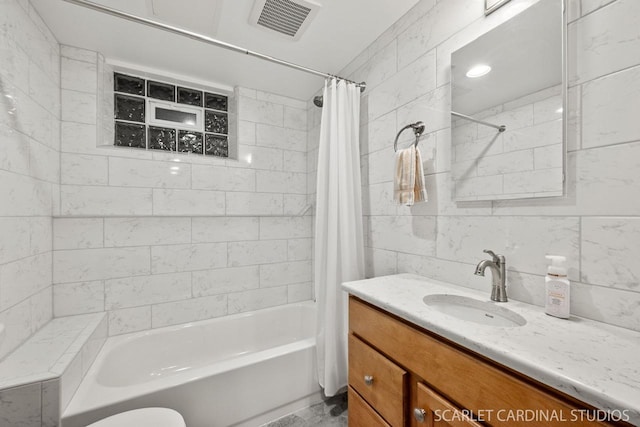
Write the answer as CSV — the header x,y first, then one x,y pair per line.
x,y
478,71
559,110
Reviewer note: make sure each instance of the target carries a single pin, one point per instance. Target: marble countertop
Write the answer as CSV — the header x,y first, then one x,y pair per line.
x,y
49,351
594,362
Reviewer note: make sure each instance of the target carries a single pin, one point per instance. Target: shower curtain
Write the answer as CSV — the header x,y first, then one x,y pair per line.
x,y
339,245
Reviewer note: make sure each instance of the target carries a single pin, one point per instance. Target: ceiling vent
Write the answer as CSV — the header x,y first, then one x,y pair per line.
x,y
286,17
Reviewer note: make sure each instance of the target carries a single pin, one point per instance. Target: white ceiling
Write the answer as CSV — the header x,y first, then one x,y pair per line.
x,y
340,31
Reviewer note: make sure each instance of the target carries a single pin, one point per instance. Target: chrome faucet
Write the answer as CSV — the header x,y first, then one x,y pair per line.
x,y
498,275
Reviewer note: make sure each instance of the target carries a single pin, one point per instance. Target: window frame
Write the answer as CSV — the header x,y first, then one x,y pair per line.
x,y
152,119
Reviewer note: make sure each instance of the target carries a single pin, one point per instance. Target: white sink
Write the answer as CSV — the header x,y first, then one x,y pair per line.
x,y
473,310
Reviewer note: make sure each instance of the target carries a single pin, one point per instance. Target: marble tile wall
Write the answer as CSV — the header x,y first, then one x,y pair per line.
x,y
157,239
149,272
38,380
29,169
596,225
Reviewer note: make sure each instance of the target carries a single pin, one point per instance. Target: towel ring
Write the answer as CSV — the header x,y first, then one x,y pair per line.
x,y
418,129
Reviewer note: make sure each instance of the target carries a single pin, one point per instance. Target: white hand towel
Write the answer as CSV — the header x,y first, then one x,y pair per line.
x,y
409,185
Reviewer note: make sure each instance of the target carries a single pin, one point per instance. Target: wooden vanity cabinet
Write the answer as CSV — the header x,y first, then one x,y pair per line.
x,y
411,377
428,408
378,380
361,414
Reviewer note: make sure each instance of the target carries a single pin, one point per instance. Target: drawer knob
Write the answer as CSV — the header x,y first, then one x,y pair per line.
x,y
419,414
368,379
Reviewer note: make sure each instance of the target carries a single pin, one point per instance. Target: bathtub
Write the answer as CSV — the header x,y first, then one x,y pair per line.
x,y
240,370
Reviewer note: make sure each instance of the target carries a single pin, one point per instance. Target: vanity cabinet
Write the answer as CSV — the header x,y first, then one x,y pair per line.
x,y
433,410
378,380
408,376
361,414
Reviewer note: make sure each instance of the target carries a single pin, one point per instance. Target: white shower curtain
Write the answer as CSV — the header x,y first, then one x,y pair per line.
x,y
339,245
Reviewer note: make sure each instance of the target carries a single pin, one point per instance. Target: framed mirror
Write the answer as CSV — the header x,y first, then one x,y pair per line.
x,y
508,90
491,6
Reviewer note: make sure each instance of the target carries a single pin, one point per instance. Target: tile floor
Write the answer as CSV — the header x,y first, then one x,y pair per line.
x,y
330,413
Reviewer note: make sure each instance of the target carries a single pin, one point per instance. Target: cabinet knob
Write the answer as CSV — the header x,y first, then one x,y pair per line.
x,y
368,379
418,414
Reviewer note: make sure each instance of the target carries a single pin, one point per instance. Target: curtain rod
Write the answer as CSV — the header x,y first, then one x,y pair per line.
x,y
203,38
501,128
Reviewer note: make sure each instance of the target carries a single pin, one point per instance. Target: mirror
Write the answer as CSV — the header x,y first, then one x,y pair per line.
x,y
491,6
507,118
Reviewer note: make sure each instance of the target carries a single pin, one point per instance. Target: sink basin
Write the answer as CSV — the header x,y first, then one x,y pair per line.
x,y
473,310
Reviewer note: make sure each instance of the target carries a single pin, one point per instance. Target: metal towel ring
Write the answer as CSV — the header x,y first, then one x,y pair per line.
x,y
418,129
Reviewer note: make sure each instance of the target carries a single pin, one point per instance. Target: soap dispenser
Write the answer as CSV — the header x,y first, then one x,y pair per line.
x,y
557,288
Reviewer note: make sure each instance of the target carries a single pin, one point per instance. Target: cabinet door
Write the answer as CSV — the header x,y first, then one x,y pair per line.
x,y
432,410
379,381
361,414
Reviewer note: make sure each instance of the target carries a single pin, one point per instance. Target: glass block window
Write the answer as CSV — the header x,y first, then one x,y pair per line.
x,y
189,141
215,102
128,84
155,115
216,122
130,135
129,108
189,97
162,139
216,146
162,91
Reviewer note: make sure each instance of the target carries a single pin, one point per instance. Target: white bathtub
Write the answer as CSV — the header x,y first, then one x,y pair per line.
x,y
240,370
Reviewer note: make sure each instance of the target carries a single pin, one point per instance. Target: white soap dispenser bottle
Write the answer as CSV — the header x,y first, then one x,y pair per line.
x,y
557,288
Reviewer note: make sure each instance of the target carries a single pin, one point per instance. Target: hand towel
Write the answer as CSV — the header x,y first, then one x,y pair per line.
x,y
409,185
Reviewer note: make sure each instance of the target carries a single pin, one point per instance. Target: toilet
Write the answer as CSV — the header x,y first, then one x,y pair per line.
x,y
145,417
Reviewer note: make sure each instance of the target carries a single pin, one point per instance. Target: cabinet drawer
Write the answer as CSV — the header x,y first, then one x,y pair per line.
x,y
361,414
435,411
378,380
462,377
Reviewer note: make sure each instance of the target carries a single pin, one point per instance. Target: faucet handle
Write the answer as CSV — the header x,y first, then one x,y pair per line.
x,y
493,255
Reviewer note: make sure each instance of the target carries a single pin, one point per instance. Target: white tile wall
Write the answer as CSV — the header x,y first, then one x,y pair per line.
x,y
257,252
97,264
225,280
78,298
608,252
139,173
188,202
604,48
188,310
129,320
225,229
204,177
285,273
191,257
154,248
146,290
157,239
256,299
29,174
91,200
145,231
21,406
608,108
242,203
29,182
594,225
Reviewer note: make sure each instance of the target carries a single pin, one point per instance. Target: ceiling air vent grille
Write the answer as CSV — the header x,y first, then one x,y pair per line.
x,y
286,17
